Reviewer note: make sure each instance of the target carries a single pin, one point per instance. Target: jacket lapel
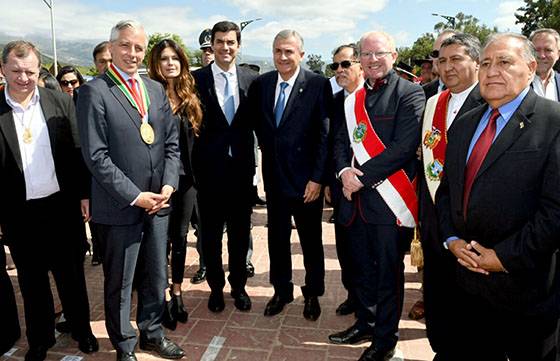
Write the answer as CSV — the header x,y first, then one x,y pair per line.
x,y
121,98
557,78
295,95
49,113
211,92
464,140
517,125
8,127
268,96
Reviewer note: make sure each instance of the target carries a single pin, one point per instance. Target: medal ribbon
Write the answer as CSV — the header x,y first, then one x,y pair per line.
x,y
398,192
141,104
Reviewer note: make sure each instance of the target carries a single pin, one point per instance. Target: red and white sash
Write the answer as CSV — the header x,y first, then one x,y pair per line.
x,y
434,139
397,190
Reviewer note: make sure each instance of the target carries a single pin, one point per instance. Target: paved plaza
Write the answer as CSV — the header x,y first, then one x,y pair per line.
x,y
249,336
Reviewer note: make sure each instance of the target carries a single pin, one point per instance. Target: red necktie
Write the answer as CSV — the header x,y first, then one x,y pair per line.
x,y
133,89
478,154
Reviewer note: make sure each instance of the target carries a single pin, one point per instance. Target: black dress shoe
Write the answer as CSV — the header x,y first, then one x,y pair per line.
x,y
39,352
216,301
250,269
164,347
312,308
87,343
345,308
199,276
178,309
276,305
373,354
350,336
126,356
242,300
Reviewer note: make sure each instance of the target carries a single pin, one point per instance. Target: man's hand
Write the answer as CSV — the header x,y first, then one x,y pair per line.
x,y
166,192
459,249
486,258
350,179
148,200
312,191
328,197
84,206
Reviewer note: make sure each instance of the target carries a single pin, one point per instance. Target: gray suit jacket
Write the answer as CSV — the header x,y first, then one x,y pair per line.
x,y
123,165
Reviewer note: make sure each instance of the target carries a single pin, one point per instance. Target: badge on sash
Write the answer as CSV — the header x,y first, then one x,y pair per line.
x,y
147,133
432,138
434,170
360,132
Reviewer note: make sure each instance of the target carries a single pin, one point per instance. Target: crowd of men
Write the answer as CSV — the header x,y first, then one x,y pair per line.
x,y
472,158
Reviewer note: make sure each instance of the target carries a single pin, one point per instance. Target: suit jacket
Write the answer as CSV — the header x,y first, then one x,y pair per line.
x,y
514,204
295,152
395,111
337,119
186,143
429,225
557,79
431,88
72,176
210,152
123,165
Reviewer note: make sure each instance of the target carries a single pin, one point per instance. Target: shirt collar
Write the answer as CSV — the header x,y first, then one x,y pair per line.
x,y
465,93
217,70
14,104
507,110
124,75
290,81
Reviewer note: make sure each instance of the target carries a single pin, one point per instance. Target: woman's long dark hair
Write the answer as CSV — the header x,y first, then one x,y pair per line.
x,y
184,87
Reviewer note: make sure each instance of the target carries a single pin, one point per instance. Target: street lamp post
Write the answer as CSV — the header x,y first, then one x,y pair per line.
x,y
243,25
450,19
50,5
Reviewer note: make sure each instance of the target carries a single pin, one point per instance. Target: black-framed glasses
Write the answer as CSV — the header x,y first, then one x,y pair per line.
x,y
434,54
345,64
68,82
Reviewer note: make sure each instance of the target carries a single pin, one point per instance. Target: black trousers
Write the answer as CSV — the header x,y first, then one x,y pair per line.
x,y
377,254
183,204
8,308
307,217
230,203
138,253
343,249
50,244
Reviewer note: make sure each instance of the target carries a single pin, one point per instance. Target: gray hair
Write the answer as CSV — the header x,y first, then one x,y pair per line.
x,y
290,33
124,24
470,42
388,38
529,52
547,31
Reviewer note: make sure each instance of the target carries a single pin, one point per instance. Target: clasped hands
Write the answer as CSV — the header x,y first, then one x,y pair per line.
x,y
154,202
475,257
350,182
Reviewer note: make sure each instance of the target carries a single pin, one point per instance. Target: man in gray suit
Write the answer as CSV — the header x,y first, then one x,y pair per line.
x,y
130,145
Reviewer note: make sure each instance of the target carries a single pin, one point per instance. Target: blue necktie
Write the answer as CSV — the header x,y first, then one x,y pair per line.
x,y
229,105
279,108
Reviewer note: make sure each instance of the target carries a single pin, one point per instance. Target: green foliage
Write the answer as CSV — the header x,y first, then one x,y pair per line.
x,y
538,14
470,25
315,63
195,57
419,50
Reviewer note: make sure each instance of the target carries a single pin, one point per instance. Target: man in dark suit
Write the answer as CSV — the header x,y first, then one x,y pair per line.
x,y
44,192
291,110
224,163
499,208
458,69
130,144
375,154
547,80
349,75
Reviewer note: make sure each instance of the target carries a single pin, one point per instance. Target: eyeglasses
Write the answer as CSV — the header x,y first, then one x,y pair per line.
x,y
377,54
345,64
434,54
68,82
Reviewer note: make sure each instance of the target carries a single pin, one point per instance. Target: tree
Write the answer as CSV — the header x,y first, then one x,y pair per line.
x,y
419,50
470,25
315,63
538,14
195,57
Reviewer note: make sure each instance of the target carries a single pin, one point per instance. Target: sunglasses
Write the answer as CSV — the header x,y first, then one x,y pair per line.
x,y
345,64
68,82
434,54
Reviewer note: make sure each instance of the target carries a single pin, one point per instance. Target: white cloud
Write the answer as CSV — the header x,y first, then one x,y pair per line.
x,y
505,21
312,9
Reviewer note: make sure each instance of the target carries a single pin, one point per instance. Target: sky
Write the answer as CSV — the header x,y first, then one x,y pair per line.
x,y
324,24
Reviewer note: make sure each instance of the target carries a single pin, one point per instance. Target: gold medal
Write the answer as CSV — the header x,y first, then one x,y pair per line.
x,y
27,136
147,133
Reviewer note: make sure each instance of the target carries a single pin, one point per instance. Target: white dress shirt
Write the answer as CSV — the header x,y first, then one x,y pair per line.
x,y
288,89
36,157
456,102
220,84
550,91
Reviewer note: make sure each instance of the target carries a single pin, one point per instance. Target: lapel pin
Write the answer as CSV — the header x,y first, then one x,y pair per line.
x,y
521,125
301,90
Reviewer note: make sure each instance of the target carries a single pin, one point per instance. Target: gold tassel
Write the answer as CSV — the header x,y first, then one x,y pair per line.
x,y
416,253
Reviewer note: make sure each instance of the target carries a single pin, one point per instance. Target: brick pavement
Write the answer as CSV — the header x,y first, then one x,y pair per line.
x,y
234,335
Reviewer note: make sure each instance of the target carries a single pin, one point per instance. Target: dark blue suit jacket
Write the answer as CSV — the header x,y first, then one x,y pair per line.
x,y
295,152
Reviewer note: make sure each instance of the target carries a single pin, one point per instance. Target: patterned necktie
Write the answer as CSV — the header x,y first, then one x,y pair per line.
x,y
279,108
229,105
478,154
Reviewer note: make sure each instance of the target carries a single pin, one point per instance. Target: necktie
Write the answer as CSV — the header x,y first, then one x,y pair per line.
x,y
229,105
478,154
133,89
279,108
